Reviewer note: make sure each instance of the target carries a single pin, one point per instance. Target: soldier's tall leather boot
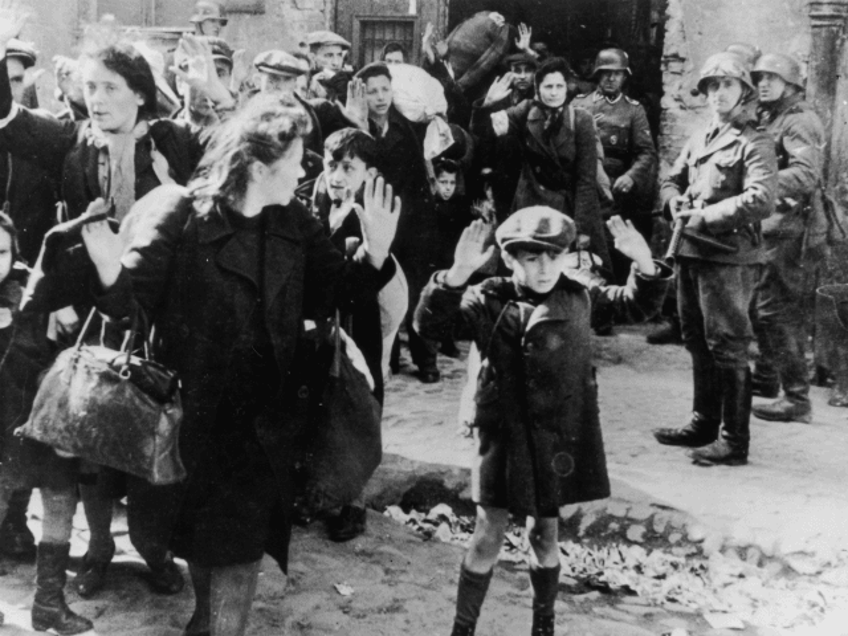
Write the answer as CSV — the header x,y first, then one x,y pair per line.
x,y
702,429
731,449
794,406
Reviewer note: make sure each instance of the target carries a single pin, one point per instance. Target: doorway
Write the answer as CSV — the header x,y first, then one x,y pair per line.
x,y
577,29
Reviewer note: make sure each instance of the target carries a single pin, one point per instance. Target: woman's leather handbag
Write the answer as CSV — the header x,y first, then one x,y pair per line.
x,y
111,408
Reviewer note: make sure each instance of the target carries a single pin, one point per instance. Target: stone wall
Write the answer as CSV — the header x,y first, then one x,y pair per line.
x,y
697,29
55,27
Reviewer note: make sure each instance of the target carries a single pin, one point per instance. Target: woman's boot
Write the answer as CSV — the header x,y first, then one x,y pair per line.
x,y
49,610
545,583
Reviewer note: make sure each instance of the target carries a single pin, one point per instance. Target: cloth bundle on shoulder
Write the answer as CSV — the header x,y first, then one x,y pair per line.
x,y
476,47
341,443
420,98
110,408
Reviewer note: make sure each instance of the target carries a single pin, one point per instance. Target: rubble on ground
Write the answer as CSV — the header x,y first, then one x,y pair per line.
x,y
725,589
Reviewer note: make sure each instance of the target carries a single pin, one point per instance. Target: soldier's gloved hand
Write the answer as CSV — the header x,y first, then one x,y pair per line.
x,y
675,205
623,184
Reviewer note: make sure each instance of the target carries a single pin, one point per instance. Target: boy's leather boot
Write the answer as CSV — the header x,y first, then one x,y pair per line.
x,y
49,610
545,582
470,594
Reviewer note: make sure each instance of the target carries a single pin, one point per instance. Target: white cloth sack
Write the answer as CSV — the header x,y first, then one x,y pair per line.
x,y
420,98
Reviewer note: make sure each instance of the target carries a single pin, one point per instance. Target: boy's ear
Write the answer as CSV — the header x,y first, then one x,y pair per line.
x,y
508,259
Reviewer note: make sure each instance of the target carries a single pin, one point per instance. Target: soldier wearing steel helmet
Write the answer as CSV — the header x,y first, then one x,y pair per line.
x,y
784,284
630,158
722,186
209,18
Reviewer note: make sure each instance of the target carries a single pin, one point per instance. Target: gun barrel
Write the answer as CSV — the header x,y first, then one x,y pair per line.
x,y
675,242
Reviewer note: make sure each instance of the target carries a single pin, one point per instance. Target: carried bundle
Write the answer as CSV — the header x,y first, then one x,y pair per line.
x,y
421,99
476,47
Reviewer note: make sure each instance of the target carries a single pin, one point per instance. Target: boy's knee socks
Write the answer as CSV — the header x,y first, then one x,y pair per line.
x,y
545,583
470,595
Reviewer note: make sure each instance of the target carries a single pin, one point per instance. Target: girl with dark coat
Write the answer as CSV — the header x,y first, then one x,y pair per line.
x,y
537,428
227,271
25,353
120,154
560,159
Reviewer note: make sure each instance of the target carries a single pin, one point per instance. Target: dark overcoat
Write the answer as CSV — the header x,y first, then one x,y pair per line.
x,y
560,170
186,271
538,428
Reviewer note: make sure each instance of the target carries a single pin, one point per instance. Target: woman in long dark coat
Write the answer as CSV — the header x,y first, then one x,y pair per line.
x,y
228,271
120,154
560,158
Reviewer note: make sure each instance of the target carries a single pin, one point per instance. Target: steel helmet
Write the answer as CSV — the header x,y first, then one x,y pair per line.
x,y
748,52
612,60
784,66
725,64
208,10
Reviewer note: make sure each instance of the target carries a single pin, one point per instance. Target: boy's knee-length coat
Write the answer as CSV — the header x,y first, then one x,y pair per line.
x,y
539,435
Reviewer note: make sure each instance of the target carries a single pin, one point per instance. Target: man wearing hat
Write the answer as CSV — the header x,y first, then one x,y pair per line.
x,y
328,51
784,287
537,431
197,108
630,158
30,196
209,18
279,72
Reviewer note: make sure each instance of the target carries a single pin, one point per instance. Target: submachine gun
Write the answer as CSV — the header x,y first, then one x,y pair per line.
x,y
681,233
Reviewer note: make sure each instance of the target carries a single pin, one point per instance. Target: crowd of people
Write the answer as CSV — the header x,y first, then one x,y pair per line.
x,y
235,204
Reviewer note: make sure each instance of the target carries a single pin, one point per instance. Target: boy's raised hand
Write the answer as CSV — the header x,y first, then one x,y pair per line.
x,y
379,219
629,242
470,254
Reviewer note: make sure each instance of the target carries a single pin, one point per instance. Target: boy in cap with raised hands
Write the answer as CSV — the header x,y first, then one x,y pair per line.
x,y
536,426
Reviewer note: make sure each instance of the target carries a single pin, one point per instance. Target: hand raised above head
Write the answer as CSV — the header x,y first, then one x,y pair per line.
x,y
379,218
632,244
471,253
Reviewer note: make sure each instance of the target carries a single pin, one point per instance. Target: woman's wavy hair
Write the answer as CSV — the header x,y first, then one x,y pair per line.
x,y
124,59
263,130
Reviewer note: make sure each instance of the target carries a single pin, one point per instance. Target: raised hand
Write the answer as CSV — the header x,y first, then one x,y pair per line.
x,y
500,89
12,20
525,33
632,244
427,42
470,254
105,248
241,70
200,74
379,219
356,108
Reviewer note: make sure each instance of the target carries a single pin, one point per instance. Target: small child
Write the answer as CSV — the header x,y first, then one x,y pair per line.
x,y
25,464
537,427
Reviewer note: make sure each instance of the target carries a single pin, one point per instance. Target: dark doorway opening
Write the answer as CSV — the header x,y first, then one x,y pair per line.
x,y
577,29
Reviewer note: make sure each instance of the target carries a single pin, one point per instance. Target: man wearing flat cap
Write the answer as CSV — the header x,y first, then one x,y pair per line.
x,y
327,51
279,72
209,18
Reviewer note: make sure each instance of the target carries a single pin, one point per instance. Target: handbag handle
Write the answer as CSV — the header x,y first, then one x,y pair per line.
x,y
128,338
